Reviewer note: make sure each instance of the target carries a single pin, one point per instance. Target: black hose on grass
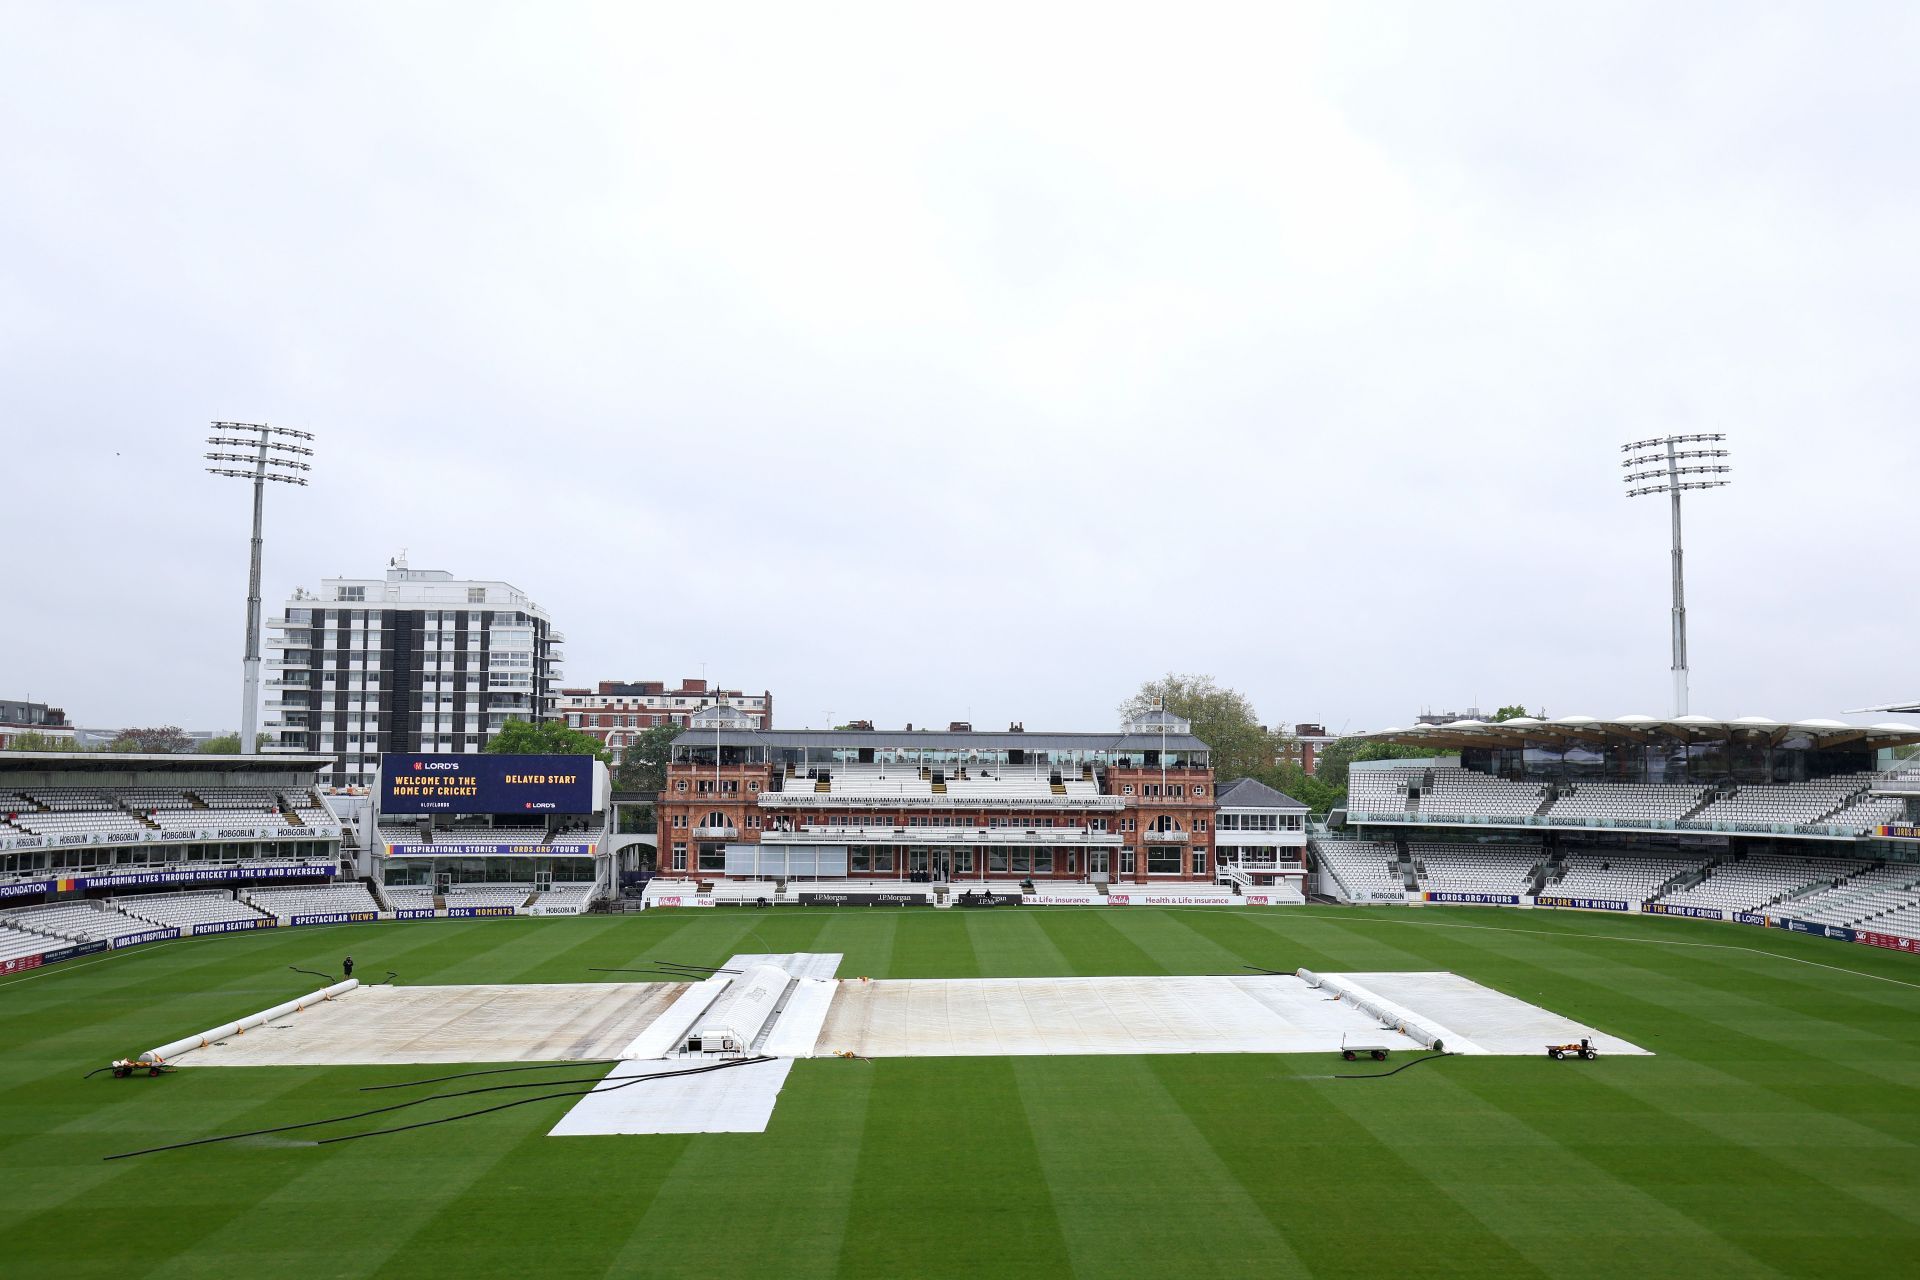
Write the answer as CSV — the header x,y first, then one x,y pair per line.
x,y
625,1082
1382,1075
592,1083
492,1071
1275,973
327,978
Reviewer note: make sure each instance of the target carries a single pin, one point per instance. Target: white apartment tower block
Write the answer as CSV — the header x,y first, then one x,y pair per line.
x,y
416,661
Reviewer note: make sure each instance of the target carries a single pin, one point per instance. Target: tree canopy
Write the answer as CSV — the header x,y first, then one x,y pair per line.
x,y
1331,765
1288,777
228,744
1513,712
166,739
643,763
34,740
544,738
1222,718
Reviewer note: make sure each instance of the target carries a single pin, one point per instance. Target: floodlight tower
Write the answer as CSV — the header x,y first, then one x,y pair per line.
x,y
1664,466
265,458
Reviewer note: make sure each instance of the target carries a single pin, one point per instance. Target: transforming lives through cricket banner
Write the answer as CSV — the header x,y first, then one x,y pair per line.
x,y
73,951
195,875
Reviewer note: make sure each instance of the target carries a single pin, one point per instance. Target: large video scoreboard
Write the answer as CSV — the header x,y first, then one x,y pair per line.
x,y
474,783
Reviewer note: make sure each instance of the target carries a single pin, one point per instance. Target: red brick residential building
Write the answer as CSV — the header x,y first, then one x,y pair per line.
x,y
1304,745
1132,807
618,709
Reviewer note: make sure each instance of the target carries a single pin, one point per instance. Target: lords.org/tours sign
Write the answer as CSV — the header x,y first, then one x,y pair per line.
x,y
474,783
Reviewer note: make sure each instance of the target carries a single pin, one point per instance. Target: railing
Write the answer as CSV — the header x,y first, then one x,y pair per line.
x,y
1587,823
812,799
942,835
1260,839
715,833
1164,837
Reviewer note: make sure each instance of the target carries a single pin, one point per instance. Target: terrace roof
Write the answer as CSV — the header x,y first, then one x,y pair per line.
x,y
1635,729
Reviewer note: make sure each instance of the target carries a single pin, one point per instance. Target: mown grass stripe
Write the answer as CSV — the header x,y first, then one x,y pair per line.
x,y
1093,1116
955,1187
1347,1202
1536,1192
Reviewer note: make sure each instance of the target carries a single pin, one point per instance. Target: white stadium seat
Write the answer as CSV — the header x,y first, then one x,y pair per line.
x,y
1361,866
184,910
314,900
1474,868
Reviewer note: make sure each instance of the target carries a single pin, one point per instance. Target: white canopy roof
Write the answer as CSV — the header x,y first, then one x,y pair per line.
x,y
1566,730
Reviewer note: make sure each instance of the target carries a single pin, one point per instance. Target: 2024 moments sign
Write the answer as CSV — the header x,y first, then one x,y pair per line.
x,y
474,783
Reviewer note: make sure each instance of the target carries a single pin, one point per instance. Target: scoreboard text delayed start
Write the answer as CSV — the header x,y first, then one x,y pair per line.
x,y
475,783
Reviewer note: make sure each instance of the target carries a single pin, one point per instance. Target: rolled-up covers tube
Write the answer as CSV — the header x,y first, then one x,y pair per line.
x,y
1400,1019
746,1007
213,1035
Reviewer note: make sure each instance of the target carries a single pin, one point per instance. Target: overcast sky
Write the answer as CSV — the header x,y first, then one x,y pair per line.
x,y
978,364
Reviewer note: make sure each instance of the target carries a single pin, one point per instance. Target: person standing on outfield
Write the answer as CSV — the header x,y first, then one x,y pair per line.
x,y
347,966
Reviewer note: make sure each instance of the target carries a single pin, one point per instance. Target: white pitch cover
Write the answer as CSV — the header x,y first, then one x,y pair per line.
x,y
734,1100
669,1031
1490,1021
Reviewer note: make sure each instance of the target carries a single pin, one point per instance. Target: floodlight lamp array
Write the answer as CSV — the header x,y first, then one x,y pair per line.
x,y
1655,459
1668,473
261,426
283,463
1685,484
255,441
1662,442
253,475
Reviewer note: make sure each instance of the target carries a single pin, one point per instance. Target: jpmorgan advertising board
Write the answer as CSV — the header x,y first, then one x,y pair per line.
x,y
474,783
